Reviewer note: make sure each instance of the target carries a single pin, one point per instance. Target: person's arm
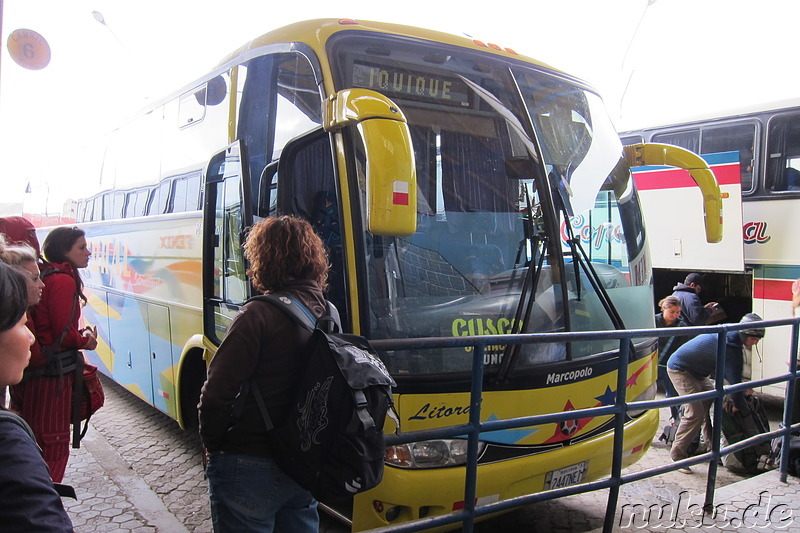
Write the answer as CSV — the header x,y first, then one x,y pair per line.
x,y
695,312
28,501
233,364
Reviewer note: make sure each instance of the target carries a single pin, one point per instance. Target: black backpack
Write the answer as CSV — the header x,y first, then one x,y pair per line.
x,y
742,425
332,442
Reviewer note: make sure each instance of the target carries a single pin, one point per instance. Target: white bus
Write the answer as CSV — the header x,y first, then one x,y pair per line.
x,y
755,155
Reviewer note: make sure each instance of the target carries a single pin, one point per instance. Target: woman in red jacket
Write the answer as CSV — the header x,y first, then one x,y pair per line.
x,y
56,320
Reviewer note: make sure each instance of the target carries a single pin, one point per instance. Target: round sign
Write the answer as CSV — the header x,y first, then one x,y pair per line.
x,y
29,49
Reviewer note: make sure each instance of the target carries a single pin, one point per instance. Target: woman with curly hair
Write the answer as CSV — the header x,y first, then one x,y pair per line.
x,y
28,500
261,347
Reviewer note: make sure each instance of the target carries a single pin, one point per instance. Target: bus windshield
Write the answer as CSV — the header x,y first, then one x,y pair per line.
x,y
497,249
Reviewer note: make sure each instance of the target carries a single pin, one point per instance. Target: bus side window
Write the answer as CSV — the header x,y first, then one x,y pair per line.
x,y
733,138
133,198
159,199
254,79
308,190
185,194
268,191
631,139
108,199
117,205
783,152
689,139
97,208
280,100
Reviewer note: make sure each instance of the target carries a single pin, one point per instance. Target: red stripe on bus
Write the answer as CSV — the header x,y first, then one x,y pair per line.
x,y
772,289
676,178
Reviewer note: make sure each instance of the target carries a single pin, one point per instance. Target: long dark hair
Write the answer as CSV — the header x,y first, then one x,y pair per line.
x,y
56,246
13,296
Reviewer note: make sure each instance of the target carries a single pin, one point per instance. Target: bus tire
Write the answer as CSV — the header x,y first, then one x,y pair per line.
x,y
193,375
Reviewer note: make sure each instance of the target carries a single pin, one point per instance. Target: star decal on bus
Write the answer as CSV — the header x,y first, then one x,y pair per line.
x,y
566,429
609,397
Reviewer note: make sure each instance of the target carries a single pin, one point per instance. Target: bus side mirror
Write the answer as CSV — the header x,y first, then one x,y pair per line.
x,y
391,174
643,154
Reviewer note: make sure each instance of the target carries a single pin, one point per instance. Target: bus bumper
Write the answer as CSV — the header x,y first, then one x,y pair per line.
x,y
412,494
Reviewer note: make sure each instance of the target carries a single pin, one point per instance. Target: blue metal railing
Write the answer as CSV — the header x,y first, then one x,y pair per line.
x,y
621,406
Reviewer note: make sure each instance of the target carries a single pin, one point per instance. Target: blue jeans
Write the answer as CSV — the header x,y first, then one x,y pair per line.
x,y
252,493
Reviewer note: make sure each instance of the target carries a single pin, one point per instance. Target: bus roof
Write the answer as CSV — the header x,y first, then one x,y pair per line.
x,y
720,114
316,32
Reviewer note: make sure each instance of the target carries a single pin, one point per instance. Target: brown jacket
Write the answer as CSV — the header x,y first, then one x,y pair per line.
x,y
262,344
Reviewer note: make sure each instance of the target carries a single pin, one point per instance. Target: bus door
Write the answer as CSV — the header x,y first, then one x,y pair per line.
x,y
160,356
226,214
672,203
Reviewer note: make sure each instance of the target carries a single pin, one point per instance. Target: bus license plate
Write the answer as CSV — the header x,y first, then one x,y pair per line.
x,y
564,477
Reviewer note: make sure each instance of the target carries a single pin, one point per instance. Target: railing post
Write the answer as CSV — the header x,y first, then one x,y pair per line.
x,y
471,477
716,428
791,390
619,434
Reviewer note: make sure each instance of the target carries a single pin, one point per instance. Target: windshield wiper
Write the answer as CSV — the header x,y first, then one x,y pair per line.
x,y
527,295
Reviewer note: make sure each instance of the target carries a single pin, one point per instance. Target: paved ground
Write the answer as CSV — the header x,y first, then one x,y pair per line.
x,y
137,471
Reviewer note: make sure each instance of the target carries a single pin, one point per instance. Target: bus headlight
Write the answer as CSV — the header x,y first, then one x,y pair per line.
x,y
648,394
430,453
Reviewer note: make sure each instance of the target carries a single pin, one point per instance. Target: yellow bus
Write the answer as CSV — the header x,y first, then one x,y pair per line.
x,y
461,188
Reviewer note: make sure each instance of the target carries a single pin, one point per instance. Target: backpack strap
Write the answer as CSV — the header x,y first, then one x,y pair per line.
x,y
298,312
261,406
64,491
55,365
291,307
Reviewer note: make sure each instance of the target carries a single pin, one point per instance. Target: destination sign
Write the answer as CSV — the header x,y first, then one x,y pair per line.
x,y
394,81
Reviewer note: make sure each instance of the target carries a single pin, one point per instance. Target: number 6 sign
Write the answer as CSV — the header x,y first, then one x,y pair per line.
x,y
29,49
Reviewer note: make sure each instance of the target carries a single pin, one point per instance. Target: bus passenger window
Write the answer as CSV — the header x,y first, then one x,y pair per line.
x,y
117,205
136,203
80,211
108,200
185,194
689,139
783,153
631,139
158,200
298,108
192,107
733,138
792,175
97,209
